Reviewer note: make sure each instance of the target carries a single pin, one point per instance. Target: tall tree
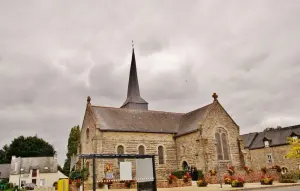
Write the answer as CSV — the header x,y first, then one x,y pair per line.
x,y
294,151
21,146
73,143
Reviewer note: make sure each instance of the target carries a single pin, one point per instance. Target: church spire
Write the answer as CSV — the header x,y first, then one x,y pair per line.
x,y
134,99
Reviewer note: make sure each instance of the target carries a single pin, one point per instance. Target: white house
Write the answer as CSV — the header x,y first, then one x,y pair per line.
x,y
42,171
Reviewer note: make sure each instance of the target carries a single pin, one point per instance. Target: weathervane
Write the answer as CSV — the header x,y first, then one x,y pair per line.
x,y
132,45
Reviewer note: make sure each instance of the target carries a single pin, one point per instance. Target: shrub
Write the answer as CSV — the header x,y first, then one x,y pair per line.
x,y
10,185
200,174
179,173
202,183
288,178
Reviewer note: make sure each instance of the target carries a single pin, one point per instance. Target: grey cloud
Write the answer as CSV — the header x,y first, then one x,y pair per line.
x,y
53,55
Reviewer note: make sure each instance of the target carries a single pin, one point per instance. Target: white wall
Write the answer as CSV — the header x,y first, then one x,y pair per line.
x,y
48,178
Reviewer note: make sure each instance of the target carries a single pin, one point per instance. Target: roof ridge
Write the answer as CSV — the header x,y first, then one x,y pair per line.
x,y
137,109
197,109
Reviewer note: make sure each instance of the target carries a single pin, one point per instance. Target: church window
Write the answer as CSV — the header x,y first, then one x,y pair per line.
x,y
161,155
222,144
141,150
87,133
120,150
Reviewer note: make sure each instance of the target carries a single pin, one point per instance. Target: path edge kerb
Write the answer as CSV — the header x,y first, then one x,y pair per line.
x,y
268,187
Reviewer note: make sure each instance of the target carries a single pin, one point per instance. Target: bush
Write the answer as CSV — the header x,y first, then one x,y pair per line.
x,y
200,174
10,185
288,178
179,173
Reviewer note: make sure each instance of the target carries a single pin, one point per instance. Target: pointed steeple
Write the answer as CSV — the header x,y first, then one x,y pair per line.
x,y
134,99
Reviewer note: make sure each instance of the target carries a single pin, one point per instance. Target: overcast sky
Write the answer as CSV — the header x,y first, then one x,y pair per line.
x,y
53,54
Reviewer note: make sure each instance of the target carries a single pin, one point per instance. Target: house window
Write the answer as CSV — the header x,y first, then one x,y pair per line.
x,y
161,155
222,144
42,182
141,150
33,181
120,151
269,159
267,144
34,173
87,133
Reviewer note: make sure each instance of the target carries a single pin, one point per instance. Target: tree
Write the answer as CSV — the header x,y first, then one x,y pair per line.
x,y
21,146
73,143
294,151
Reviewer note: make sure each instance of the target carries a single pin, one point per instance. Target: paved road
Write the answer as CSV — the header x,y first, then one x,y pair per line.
x,y
293,188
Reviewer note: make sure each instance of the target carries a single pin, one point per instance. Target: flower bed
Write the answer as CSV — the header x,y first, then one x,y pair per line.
x,y
238,182
266,180
202,183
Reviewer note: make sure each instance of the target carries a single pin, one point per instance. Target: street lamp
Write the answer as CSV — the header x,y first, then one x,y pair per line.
x,y
219,169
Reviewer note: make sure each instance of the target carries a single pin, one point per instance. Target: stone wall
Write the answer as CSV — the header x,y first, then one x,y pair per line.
x,y
189,149
258,158
131,142
218,118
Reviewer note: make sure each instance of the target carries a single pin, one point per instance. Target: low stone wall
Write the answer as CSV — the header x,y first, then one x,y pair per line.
x,y
159,183
251,177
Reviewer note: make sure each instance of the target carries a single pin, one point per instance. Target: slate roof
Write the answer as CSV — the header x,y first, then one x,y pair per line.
x,y
133,92
29,163
276,136
120,119
248,139
4,171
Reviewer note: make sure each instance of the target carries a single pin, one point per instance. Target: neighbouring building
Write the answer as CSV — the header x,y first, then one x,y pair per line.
x,y
4,171
42,171
200,137
269,148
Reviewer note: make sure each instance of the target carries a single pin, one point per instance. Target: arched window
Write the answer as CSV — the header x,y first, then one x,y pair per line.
x,y
87,133
141,150
161,155
182,150
120,150
222,144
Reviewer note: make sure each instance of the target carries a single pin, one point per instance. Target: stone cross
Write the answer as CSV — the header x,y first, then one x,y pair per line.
x,y
215,96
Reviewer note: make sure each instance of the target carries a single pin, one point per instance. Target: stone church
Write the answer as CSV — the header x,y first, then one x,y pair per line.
x,y
203,138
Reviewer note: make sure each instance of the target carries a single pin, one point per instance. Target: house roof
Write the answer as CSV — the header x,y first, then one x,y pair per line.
x,y
276,136
248,139
120,119
43,164
4,171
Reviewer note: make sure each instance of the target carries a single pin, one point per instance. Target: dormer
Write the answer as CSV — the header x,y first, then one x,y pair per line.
x,y
267,141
